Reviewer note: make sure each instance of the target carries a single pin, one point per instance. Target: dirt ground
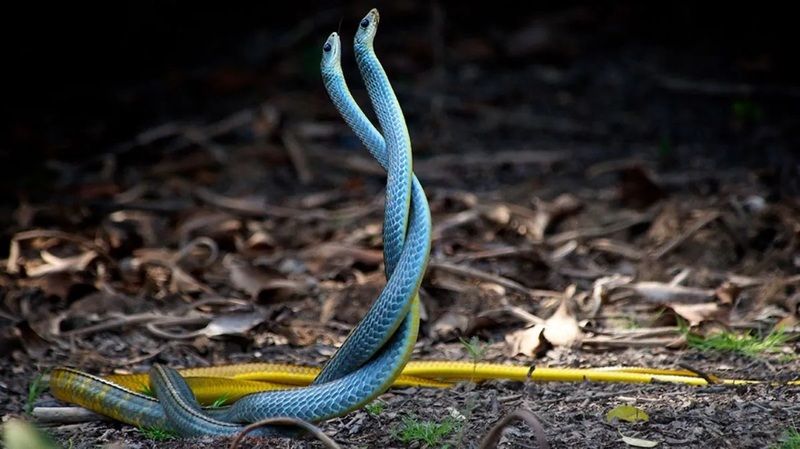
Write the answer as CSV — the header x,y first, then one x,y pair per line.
x,y
658,178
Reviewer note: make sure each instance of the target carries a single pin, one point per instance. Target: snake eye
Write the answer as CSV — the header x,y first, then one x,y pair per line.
x,y
327,47
365,23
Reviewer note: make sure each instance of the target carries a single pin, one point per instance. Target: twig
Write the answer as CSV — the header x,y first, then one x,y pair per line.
x,y
14,252
617,248
493,436
628,343
298,157
517,312
154,328
715,88
252,208
312,429
566,236
678,240
65,415
454,221
442,165
259,209
708,378
504,251
489,277
582,397
113,324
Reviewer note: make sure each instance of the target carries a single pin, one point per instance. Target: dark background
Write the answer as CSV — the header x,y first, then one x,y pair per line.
x,y
83,79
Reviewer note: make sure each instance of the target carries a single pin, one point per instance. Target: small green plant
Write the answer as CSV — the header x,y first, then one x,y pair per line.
x,y
158,434
475,347
375,408
220,401
35,389
432,434
747,111
746,344
789,440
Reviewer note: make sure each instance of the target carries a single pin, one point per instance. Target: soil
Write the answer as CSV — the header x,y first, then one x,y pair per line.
x,y
559,147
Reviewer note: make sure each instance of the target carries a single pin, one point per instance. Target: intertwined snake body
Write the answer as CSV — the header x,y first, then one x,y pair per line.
x,y
374,353
378,349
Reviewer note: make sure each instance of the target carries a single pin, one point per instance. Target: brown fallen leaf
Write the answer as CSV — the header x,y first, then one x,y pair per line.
x,y
255,280
529,341
329,255
33,343
694,314
560,329
54,264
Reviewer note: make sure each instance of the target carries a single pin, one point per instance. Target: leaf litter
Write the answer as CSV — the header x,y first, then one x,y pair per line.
x,y
195,244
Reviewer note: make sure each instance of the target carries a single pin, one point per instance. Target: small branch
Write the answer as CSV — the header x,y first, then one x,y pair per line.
x,y
65,415
493,436
298,157
489,277
305,425
566,236
678,240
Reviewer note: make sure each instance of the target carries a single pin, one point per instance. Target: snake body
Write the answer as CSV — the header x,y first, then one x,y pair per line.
x,y
374,353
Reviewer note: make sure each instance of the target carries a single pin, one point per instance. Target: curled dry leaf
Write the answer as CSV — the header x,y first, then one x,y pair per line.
x,y
548,214
255,280
561,329
528,341
54,264
329,255
234,323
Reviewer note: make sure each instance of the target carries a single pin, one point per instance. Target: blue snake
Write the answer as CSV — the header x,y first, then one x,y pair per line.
x,y
376,350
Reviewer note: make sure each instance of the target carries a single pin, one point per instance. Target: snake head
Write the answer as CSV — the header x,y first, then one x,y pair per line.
x,y
331,54
367,28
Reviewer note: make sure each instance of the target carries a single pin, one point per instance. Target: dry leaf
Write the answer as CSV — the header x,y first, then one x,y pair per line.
x,y
638,442
627,413
695,314
662,293
31,341
529,342
255,280
562,328
182,281
234,323
54,264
